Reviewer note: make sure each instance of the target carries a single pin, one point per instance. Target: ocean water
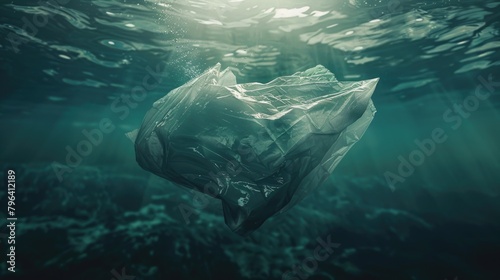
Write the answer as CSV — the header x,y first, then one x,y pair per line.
x,y
416,198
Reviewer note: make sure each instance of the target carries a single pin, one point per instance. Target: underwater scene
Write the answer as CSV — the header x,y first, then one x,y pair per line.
x,y
343,139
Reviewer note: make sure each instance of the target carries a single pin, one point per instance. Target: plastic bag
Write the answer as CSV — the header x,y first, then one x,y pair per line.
x,y
259,148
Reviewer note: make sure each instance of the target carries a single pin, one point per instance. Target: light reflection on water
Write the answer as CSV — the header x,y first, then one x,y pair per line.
x,y
63,75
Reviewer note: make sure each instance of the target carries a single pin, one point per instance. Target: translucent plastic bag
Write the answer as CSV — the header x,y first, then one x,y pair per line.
x,y
259,148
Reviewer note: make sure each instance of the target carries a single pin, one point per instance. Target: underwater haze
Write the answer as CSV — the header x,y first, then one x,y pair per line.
x,y
417,197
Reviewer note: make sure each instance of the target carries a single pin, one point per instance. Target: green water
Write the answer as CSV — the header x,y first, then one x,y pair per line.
x,y
68,65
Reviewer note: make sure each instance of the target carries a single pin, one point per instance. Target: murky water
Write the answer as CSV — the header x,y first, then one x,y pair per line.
x,y
416,198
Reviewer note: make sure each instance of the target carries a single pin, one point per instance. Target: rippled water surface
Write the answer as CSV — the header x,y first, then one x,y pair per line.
x,y
67,65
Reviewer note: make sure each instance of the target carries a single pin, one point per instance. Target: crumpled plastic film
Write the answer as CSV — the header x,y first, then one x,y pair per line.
x,y
259,148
